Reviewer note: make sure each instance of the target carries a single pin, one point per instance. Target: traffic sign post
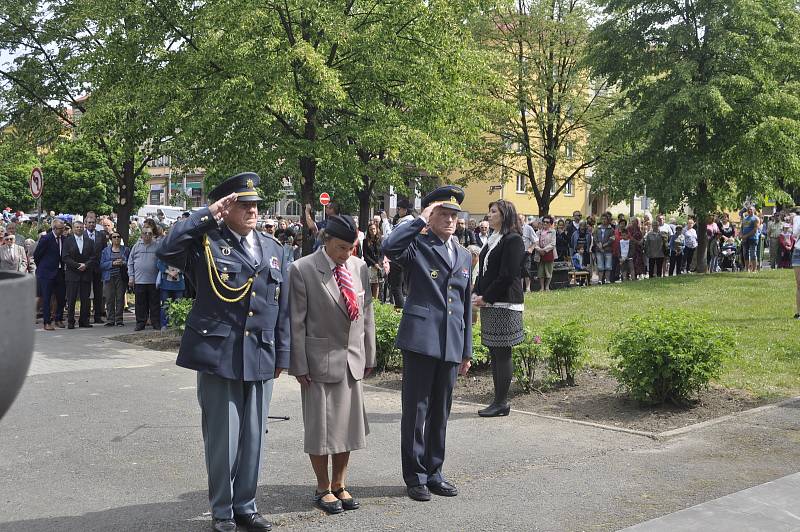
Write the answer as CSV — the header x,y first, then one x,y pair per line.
x,y
324,198
36,185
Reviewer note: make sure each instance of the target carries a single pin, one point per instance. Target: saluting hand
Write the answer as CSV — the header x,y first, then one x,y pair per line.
x,y
426,213
221,207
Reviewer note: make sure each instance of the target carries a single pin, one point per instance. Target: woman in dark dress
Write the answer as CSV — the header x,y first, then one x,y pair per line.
x,y
499,296
562,242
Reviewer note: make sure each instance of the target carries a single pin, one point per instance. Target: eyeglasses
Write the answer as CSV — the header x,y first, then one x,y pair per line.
x,y
147,232
117,236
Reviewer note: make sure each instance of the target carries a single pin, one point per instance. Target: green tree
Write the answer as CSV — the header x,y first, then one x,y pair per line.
x,y
712,89
98,70
344,95
551,103
79,180
16,163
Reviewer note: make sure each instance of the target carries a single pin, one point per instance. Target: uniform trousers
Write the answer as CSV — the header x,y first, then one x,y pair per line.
x,y
75,290
234,415
427,396
49,288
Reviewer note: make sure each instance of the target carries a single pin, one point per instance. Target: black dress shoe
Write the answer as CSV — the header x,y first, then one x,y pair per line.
x,y
85,325
333,507
495,410
120,324
349,503
419,493
224,525
443,488
139,328
99,320
71,326
253,522
109,324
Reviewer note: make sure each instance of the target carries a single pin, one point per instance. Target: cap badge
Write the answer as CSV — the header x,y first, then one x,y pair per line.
x,y
453,199
249,183
225,250
434,274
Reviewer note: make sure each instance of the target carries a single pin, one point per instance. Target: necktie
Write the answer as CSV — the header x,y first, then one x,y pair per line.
x,y
345,283
246,248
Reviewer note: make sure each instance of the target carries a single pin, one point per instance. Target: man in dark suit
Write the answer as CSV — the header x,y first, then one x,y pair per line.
x,y
435,335
236,338
78,257
50,274
100,240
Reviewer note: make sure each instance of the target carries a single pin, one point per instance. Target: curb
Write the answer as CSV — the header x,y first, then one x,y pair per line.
x,y
657,436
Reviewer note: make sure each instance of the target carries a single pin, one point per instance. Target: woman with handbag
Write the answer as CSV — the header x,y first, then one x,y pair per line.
x,y
545,253
499,295
114,274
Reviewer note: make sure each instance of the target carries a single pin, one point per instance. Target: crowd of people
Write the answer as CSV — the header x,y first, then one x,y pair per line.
x,y
83,259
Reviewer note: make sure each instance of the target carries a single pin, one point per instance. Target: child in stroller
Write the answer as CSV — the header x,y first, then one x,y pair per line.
x,y
729,255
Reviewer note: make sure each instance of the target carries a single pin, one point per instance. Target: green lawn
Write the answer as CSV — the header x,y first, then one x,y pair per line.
x,y
758,308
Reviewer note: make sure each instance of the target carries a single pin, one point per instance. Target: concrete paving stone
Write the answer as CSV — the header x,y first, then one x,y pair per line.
x,y
103,447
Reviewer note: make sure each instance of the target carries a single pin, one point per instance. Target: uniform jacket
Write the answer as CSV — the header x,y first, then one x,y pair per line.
x,y
325,343
72,258
47,256
437,316
500,274
246,340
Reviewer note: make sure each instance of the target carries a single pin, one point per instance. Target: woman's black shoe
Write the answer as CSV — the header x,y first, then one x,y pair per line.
x,y
349,503
495,410
333,507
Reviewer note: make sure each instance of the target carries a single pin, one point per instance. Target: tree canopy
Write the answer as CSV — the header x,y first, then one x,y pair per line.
x,y
713,98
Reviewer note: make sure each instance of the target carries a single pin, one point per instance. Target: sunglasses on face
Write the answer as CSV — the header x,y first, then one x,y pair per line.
x,y
117,236
147,232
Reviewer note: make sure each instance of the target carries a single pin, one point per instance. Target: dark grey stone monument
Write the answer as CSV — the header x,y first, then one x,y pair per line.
x,y
17,307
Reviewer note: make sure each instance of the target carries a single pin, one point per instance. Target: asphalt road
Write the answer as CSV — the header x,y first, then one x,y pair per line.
x,y
106,436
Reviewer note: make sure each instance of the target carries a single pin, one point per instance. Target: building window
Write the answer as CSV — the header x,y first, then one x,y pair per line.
x,y
569,190
155,197
522,183
292,208
570,150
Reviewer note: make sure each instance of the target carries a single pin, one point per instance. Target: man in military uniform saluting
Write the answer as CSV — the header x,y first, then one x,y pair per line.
x,y
236,338
435,335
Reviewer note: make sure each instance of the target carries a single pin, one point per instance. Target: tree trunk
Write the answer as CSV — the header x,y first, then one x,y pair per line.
x,y
127,187
308,169
364,196
702,246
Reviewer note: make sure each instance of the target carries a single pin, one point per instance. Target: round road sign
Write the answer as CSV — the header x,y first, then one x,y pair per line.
x,y
324,198
36,183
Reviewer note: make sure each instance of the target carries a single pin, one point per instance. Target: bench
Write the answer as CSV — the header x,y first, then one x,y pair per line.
x,y
574,275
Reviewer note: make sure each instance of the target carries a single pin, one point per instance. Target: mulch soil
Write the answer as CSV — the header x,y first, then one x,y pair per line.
x,y
595,397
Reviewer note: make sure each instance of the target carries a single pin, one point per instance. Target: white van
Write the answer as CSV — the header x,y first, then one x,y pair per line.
x,y
170,213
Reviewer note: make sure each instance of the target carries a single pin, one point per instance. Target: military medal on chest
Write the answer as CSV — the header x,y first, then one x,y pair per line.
x,y
434,274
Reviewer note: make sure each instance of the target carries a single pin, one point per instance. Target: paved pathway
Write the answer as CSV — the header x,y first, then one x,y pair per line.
x,y
106,436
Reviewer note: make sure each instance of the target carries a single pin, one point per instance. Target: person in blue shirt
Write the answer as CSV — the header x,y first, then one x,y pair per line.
x,y
171,284
750,235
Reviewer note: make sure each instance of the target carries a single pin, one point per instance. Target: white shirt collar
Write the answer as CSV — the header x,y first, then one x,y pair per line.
x,y
251,237
80,238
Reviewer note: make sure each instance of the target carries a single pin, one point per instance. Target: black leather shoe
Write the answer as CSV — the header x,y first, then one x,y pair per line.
x,y
99,320
71,326
224,525
495,410
109,324
85,325
443,488
419,493
253,522
333,507
139,328
348,504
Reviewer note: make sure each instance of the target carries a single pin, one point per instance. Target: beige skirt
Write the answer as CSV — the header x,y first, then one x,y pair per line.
x,y
334,417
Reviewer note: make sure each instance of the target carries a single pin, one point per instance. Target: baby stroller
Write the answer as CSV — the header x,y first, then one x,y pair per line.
x,y
728,256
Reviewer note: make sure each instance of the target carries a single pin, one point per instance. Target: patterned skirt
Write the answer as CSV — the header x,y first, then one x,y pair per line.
x,y
501,327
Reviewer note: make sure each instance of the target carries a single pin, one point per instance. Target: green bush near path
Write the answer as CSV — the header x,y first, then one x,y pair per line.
x,y
758,308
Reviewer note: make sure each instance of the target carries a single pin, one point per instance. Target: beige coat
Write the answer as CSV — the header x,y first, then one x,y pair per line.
x,y
325,344
14,258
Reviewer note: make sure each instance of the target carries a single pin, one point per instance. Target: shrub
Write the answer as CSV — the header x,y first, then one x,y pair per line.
x,y
480,353
565,342
668,356
526,357
387,321
177,312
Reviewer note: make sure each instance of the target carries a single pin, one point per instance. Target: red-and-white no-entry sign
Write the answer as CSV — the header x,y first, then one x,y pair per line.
x,y
36,183
324,198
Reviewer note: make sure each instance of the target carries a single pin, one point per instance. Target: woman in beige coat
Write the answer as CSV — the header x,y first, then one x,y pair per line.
x,y
333,349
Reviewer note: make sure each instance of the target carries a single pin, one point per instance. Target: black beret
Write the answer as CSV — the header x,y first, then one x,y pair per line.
x,y
451,195
404,204
243,184
343,227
